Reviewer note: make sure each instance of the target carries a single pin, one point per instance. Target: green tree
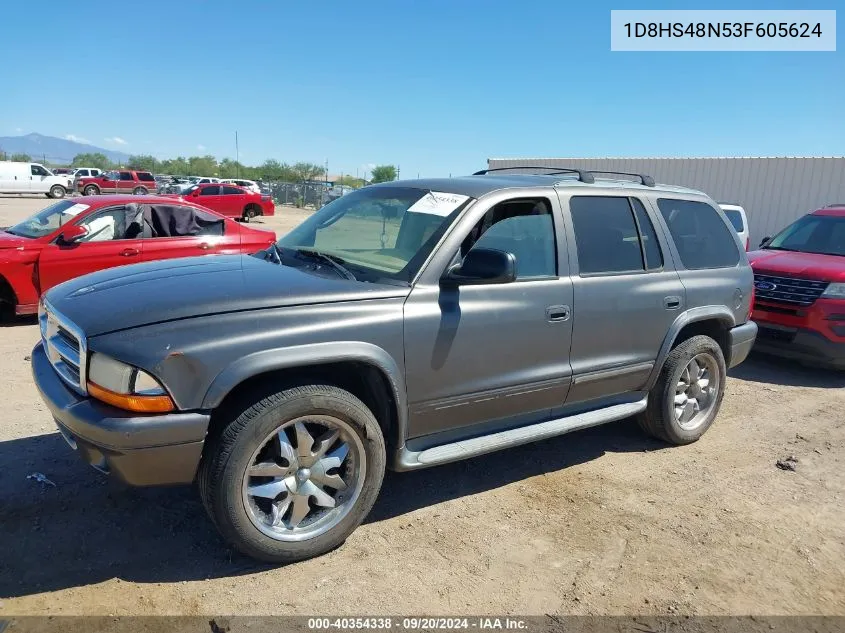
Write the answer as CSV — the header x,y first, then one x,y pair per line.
x,y
96,159
175,166
383,173
143,162
303,172
20,157
351,181
202,166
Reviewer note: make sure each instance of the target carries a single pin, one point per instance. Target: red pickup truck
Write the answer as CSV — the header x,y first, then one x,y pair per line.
x,y
121,181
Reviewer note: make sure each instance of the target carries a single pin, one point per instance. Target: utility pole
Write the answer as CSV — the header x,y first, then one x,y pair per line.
x,y
397,172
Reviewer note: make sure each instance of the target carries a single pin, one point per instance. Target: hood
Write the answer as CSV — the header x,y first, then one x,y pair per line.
x,y
141,294
794,264
7,240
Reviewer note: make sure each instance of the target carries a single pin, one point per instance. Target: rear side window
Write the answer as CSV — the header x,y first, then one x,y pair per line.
x,y
702,239
608,238
142,175
210,190
126,175
228,191
736,219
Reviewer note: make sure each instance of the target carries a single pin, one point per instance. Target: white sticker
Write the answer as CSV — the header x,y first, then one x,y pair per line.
x,y
438,203
75,210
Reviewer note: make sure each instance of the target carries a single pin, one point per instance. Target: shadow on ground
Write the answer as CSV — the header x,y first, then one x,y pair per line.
x,y
87,529
780,371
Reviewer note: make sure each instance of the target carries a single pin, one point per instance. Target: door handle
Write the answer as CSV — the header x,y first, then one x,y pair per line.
x,y
129,252
557,313
672,302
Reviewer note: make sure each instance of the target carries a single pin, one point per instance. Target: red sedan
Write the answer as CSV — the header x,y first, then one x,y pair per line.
x,y
83,235
230,200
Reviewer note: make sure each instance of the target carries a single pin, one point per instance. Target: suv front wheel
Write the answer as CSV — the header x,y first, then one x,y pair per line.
x,y
294,473
688,394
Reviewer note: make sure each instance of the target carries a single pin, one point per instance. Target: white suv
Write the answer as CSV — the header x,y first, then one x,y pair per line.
x,y
736,214
251,185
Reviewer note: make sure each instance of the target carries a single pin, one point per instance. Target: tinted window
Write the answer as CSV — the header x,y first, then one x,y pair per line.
x,y
812,234
38,170
126,175
210,190
606,234
142,175
736,219
701,236
82,173
231,191
651,247
525,229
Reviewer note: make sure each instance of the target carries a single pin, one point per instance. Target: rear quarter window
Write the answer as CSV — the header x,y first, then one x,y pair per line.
x,y
700,235
142,175
736,219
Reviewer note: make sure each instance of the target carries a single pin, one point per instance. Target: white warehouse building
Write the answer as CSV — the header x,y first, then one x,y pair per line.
x,y
773,191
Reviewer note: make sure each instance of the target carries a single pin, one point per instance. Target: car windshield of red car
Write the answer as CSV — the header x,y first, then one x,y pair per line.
x,y
822,234
48,220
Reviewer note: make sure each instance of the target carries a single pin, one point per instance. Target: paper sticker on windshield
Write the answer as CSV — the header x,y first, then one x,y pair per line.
x,y
75,209
438,203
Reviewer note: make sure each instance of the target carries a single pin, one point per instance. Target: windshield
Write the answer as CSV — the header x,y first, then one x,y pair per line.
x,y
736,219
824,234
379,232
48,220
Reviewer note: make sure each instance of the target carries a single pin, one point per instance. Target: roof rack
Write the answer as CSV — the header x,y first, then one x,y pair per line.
x,y
583,176
647,181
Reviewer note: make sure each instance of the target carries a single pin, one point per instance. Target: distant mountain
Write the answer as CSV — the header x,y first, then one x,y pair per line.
x,y
53,149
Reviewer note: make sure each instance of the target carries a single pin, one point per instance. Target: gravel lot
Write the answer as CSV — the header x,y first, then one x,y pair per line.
x,y
603,521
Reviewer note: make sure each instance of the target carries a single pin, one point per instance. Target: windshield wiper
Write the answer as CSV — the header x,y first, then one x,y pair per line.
x,y
332,260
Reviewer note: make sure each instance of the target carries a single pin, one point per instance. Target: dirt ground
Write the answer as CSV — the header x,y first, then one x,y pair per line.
x,y
602,521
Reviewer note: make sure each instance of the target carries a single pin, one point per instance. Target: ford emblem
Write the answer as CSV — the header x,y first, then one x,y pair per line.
x,y
764,285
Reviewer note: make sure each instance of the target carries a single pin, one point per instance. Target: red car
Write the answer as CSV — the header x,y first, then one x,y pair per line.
x,y
799,287
83,235
230,200
122,181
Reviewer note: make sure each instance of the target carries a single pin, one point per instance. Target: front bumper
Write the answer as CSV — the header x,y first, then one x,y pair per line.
x,y
741,341
803,345
139,450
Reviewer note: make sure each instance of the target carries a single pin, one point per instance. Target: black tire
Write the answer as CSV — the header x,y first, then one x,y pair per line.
x,y
140,191
249,213
91,190
57,192
658,420
227,455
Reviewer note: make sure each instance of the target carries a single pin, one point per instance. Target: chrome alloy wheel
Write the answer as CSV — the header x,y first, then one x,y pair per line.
x,y
304,478
696,391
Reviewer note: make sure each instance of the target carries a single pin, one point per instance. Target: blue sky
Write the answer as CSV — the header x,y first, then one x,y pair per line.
x,y
436,87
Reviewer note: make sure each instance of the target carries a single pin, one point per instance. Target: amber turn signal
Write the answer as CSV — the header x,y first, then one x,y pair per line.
x,y
142,404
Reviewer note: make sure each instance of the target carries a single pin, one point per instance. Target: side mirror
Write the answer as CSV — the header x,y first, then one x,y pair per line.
x,y
72,234
765,241
482,266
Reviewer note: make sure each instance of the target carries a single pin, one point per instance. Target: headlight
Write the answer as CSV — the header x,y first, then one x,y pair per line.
x,y
835,291
125,386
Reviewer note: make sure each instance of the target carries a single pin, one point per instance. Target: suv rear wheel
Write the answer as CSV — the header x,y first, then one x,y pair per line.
x,y
293,474
688,394
140,191
91,190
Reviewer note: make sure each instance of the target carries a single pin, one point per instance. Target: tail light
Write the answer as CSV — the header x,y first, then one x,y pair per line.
x,y
747,243
265,198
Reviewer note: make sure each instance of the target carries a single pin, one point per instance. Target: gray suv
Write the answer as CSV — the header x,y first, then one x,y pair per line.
x,y
404,325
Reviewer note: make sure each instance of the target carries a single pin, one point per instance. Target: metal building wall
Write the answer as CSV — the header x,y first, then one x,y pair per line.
x,y
773,191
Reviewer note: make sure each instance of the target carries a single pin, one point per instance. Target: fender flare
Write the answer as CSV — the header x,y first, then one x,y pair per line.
x,y
693,315
309,355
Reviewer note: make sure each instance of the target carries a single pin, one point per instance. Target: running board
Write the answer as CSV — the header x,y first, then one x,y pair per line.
x,y
410,460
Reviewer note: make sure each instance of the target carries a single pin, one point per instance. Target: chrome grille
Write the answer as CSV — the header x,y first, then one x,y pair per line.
x,y
65,346
790,290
